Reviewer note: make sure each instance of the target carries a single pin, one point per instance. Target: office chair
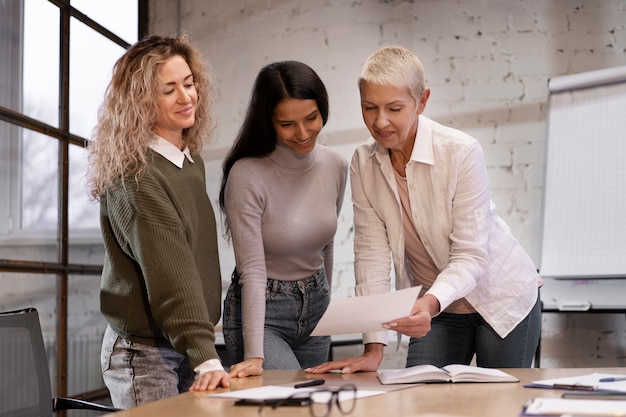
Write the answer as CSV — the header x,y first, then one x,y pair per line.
x,y
25,388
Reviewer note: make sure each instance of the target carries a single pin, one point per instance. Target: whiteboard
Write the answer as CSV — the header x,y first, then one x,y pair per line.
x,y
584,201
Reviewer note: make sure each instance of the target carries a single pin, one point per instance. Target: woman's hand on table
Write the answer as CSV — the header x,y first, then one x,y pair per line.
x,y
211,380
369,361
249,367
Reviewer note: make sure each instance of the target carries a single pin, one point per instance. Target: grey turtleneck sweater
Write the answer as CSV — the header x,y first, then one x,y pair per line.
x,y
282,211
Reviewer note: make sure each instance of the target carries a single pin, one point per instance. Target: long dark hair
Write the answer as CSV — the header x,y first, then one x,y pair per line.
x,y
274,83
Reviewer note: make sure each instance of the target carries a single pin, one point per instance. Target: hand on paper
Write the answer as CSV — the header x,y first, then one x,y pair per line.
x,y
369,361
249,367
417,324
210,381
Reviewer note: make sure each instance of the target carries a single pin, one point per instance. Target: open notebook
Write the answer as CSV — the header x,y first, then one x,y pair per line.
x,y
449,373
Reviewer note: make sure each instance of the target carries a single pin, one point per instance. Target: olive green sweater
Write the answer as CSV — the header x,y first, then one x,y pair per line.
x,y
161,283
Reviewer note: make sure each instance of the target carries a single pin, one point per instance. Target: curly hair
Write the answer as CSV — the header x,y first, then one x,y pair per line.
x,y
123,133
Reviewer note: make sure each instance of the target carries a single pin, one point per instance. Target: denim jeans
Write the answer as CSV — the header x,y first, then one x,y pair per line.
x,y
455,338
137,374
292,310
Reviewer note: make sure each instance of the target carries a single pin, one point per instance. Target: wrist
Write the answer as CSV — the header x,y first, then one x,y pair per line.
x,y
375,349
432,304
208,366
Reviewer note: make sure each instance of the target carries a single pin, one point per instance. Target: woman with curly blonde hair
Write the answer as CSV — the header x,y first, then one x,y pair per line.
x,y
129,111
161,284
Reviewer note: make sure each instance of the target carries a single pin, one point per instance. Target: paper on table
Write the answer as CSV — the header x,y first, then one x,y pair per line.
x,y
560,407
592,379
273,392
366,313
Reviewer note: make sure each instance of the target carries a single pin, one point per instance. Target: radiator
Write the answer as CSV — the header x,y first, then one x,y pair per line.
x,y
83,362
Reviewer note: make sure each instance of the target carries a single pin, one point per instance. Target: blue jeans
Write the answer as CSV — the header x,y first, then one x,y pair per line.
x,y
455,338
137,374
292,310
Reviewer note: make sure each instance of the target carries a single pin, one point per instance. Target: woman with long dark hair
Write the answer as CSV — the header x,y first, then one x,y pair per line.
x,y
281,194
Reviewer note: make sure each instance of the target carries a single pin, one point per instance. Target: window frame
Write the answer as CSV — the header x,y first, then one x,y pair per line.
x,y
60,268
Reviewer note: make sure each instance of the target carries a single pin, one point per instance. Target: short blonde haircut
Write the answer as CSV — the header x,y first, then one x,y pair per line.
x,y
396,66
123,133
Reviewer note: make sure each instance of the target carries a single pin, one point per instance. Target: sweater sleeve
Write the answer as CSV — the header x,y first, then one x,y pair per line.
x,y
244,210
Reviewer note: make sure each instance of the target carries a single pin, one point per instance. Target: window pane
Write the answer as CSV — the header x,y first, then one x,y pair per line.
x,y
85,326
82,212
90,74
118,16
10,54
33,290
39,183
8,186
41,61
21,290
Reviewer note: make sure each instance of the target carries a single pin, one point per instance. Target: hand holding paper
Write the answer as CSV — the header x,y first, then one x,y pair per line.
x,y
366,313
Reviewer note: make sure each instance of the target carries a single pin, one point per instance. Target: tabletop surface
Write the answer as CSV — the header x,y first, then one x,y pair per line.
x,y
426,400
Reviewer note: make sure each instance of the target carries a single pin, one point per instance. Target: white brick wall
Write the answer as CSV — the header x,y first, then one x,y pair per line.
x,y
487,63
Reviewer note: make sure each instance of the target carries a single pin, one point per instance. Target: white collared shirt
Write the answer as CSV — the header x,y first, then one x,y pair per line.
x,y
170,152
474,249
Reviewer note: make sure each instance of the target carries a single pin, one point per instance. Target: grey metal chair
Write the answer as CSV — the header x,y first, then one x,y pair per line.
x,y
24,375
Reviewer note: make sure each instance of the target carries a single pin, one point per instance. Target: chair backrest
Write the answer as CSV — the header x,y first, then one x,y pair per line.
x,y
24,375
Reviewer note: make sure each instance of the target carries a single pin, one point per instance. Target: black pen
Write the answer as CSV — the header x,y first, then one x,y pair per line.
x,y
578,387
274,401
310,383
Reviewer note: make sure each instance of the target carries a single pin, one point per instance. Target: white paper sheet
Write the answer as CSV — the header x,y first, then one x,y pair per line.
x,y
561,407
366,313
592,380
271,392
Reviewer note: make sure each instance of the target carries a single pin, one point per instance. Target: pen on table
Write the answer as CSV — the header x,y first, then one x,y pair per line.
x,y
596,395
578,415
612,379
580,387
310,383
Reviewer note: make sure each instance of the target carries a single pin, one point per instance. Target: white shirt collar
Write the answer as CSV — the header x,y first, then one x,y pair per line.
x,y
170,152
423,145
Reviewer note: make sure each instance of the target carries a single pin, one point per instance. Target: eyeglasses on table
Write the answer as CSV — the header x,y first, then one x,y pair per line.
x,y
321,401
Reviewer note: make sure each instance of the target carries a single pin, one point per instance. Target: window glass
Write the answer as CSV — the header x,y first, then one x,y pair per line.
x,y
83,212
88,81
24,290
7,172
118,16
39,156
10,54
90,73
41,61
39,185
85,327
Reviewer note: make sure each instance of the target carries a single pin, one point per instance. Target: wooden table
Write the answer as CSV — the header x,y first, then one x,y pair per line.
x,y
426,400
